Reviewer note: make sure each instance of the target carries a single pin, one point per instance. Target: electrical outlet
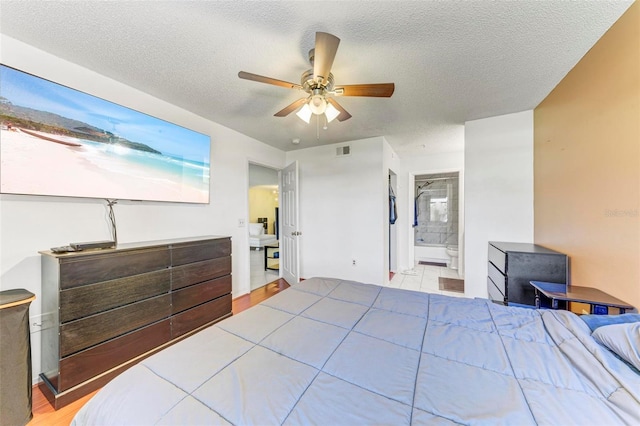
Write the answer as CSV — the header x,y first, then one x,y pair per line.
x,y
240,223
353,262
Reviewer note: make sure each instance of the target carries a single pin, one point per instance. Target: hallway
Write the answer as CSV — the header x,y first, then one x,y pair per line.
x,y
259,276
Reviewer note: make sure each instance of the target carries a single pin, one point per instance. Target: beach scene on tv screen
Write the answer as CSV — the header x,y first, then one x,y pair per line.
x,y
58,141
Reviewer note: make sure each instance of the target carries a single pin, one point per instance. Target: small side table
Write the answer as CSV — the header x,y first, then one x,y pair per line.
x,y
270,253
597,299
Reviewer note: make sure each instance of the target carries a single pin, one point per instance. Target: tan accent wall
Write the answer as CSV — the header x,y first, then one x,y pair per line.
x,y
587,164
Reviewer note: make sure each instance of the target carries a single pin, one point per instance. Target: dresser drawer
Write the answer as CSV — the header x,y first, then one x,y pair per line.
x,y
195,252
196,294
91,269
200,315
79,302
498,258
499,280
89,363
495,294
194,273
84,333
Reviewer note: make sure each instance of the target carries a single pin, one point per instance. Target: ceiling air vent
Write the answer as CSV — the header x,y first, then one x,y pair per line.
x,y
342,151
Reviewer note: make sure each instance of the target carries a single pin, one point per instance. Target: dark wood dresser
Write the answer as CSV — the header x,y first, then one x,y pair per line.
x,y
114,307
512,266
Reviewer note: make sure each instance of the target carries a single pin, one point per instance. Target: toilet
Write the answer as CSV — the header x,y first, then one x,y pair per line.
x,y
452,252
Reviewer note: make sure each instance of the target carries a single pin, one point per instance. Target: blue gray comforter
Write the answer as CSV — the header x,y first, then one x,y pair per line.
x,y
333,352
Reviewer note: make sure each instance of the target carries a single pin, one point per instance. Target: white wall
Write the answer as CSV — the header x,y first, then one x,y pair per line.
x,y
342,204
260,175
438,162
498,190
29,224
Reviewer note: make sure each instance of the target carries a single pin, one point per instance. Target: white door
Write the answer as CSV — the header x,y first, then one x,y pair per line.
x,y
289,247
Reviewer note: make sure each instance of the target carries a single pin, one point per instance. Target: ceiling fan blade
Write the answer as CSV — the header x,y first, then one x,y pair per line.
x,y
290,108
344,115
325,53
268,80
382,90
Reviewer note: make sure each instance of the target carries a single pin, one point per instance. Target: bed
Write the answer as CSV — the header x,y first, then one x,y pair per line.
x,y
331,352
257,238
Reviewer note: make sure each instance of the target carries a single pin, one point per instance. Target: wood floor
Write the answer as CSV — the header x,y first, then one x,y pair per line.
x,y
45,415
258,295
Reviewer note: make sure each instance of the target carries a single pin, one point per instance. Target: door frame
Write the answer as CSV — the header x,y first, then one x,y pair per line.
x,y
461,212
393,230
278,169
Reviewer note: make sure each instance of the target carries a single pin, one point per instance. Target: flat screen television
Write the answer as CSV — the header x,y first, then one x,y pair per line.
x,y
58,141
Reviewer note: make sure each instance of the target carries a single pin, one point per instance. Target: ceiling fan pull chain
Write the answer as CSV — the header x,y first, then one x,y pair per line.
x,y
318,127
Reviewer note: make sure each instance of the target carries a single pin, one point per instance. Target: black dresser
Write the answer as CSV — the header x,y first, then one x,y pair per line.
x,y
513,265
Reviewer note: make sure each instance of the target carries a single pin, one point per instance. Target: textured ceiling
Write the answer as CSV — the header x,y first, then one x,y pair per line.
x,y
451,61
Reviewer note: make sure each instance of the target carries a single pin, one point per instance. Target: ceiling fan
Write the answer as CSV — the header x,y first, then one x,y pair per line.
x,y
318,83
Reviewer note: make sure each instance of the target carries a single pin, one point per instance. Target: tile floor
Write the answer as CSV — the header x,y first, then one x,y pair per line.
x,y
259,276
425,278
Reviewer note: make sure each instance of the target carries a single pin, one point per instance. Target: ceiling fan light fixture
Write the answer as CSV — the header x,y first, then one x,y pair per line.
x,y
304,113
331,113
318,104
318,82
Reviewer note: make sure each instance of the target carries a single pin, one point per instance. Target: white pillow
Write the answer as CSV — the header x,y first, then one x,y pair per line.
x,y
622,339
256,229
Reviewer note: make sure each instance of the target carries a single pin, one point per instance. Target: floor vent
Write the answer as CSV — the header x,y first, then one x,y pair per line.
x,y
342,151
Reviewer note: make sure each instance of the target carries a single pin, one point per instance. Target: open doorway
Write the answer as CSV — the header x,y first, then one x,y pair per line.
x,y
263,196
436,220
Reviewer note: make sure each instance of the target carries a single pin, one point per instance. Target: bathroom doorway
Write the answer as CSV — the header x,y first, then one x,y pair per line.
x,y
436,219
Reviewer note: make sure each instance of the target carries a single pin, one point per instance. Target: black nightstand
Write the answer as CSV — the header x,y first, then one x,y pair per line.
x,y
512,266
554,293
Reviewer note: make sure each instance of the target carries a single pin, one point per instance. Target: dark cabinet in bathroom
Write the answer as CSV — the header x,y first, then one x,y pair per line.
x,y
512,265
